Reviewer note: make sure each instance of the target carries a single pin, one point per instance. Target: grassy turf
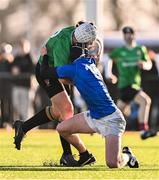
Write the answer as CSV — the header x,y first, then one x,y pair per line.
x,y
41,148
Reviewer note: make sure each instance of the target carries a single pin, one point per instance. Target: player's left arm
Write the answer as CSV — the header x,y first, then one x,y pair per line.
x,y
145,62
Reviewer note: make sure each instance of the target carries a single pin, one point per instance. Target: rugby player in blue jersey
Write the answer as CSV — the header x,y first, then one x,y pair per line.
x,y
102,116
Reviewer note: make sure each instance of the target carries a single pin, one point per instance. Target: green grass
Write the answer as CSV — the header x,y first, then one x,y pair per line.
x,y
43,147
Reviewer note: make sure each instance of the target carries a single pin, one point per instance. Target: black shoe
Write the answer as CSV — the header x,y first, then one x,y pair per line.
x,y
133,162
19,134
147,134
86,159
68,160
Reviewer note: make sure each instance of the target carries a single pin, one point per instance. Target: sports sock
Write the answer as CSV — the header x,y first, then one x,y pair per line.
x,y
85,153
65,146
38,119
143,126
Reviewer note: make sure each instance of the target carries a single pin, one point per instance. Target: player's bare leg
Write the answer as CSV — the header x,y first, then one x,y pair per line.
x,y
63,104
114,157
144,102
77,124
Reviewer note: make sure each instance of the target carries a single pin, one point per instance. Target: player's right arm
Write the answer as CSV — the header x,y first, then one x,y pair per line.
x,y
145,63
109,73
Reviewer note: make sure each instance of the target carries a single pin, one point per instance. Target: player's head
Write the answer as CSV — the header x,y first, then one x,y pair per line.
x,y
128,29
128,34
85,33
95,50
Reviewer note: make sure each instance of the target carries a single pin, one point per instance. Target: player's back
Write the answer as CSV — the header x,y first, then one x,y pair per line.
x,y
58,47
92,88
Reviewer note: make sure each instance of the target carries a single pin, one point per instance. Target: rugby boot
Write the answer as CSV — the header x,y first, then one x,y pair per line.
x,y
147,134
19,134
68,160
133,162
86,159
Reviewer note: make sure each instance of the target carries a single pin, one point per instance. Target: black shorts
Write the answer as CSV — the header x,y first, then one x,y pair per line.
x,y
51,86
127,94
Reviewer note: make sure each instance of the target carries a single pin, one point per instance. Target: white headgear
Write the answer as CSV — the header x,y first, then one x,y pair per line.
x,y
85,32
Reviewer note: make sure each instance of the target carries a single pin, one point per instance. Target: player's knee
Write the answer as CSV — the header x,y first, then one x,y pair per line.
x,y
112,163
62,130
70,108
146,101
67,112
59,128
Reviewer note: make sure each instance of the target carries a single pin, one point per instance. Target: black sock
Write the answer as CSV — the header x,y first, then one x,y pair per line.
x,y
84,153
38,119
65,146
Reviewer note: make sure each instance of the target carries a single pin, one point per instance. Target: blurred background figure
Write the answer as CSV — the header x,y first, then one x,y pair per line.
x,y
150,84
6,59
22,70
130,60
112,86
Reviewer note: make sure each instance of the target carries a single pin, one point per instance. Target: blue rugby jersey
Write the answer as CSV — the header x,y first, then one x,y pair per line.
x,y
89,82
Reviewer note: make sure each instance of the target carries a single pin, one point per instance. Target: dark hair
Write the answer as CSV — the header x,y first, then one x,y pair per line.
x,y
128,29
81,22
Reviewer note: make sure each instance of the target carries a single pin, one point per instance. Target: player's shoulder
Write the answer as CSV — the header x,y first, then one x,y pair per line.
x,y
81,62
69,28
141,47
116,51
64,32
67,31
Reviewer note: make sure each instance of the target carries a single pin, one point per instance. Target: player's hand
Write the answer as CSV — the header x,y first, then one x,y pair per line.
x,y
112,79
146,65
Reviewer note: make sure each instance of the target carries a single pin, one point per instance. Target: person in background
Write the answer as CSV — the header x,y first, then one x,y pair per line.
x,y
150,84
56,52
102,116
6,109
22,70
130,60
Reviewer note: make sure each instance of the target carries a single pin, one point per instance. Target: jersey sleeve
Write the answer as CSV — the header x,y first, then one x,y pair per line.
x,y
66,71
145,55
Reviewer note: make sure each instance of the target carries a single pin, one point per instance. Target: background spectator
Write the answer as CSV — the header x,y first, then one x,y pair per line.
x,y
22,70
6,59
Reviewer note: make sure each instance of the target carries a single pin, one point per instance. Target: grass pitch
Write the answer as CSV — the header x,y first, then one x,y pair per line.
x,y
41,151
